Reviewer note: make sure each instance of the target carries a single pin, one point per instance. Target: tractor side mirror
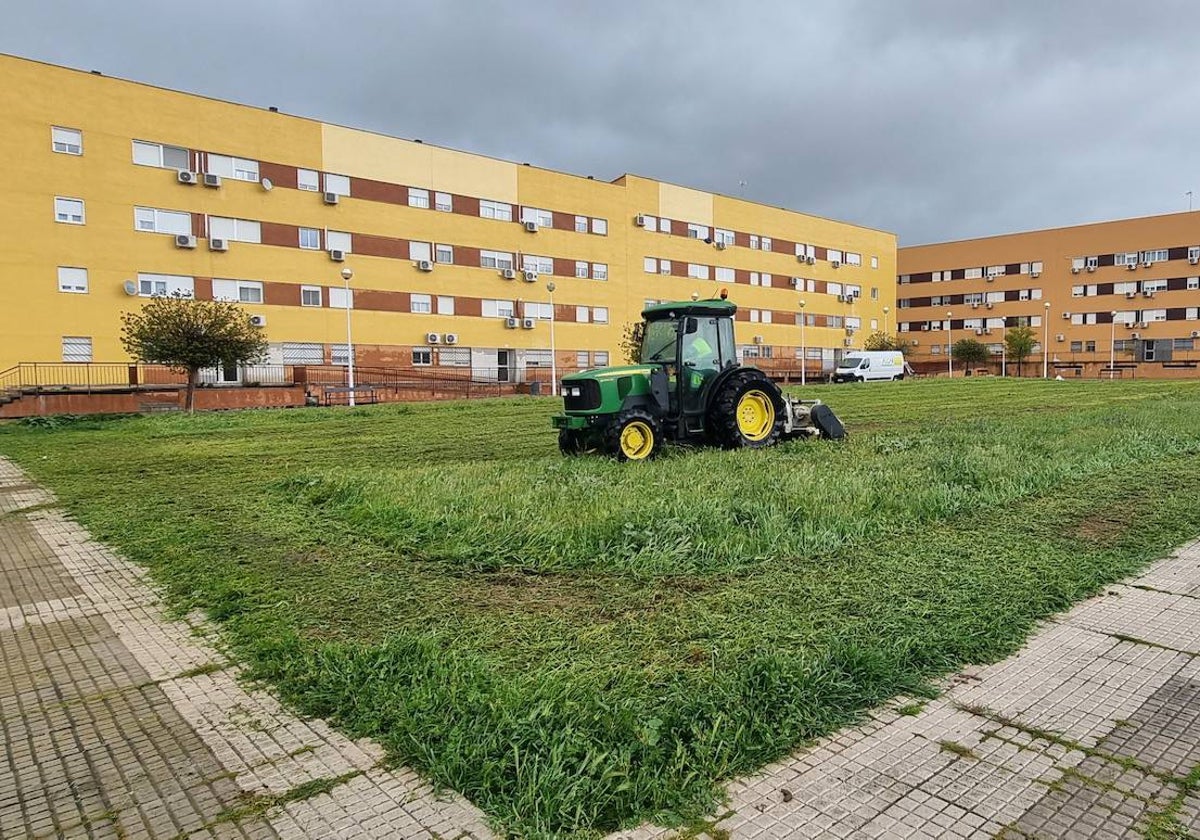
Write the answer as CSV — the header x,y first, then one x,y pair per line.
x,y
691,326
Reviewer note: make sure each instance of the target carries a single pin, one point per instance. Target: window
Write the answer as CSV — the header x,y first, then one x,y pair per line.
x,y
541,218
156,154
1157,255
154,285
308,179
540,311
664,266
1194,253
1092,263
339,298
874,262
310,239
581,224
1154,285
697,231
599,314
445,305
72,280
600,358
444,254
495,210
833,255
664,225
418,198
581,269
754,241
650,265
833,321
725,275
725,237
303,353
766,243
68,210
420,251
495,259
162,221
853,259
454,357
66,141
600,227
76,348
1077,291
1125,287
699,272
1183,344
599,271
997,270
1193,283
1089,346
421,305
497,309
1154,314
339,354
539,265
538,358
836,289
582,359
852,322
1076,346
874,293
650,222
240,169
237,230
310,295
765,279
239,291
338,240
583,315
1129,258
443,202
972,273
339,184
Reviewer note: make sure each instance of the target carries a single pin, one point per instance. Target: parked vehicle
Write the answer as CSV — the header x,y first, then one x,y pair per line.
x,y
870,365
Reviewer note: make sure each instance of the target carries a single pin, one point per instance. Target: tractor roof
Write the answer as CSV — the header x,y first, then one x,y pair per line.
x,y
684,308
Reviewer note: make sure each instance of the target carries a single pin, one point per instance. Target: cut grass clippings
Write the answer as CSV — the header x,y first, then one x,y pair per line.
x,y
578,645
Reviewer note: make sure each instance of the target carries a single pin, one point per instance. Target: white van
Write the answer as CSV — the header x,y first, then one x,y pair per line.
x,y
867,365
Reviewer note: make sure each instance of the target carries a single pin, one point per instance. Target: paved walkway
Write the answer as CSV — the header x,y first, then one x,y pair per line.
x,y
116,722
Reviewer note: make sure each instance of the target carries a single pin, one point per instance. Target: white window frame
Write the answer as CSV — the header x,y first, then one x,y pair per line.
x,y
155,285
874,262
154,220
308,180
539,265
72,279
422,356
77,349
420,304
420,251
339,355
229,166
581,269
66,141
723,274
154,154
454,356
499,210
237,291
697,271
754,241
499,260
443,254
445,304
310,247
600,227
339,240
664,225
650,265
695,231
495,308
853,258
418,197
443,202
599,271
64,210
311,290
581,224
335,183
235,230
600,358
540,217
341,298
302,353
583,315
765,243
599,314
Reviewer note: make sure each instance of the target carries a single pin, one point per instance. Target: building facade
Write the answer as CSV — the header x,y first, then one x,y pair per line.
x,y
120,191
1114,299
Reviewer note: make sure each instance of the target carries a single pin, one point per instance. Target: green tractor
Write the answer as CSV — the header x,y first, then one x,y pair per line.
x,y
688,388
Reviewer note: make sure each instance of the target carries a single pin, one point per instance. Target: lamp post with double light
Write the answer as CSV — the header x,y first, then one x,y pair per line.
x,y
553,350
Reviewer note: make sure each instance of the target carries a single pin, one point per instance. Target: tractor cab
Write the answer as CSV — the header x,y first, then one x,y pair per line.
x,y
687,386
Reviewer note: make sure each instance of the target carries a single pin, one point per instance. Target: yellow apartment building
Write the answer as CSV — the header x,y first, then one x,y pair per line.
x,y
1114,299
119,191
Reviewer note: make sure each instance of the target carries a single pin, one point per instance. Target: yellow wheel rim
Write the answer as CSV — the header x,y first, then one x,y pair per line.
x,y
755,415
637,440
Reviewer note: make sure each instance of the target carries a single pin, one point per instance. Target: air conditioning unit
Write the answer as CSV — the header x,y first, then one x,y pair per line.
x,y
511,323
835,263
529,275
424,265
528,323
1147,294
1129,324
1147,264
211,180
990,305
1074,269
810,260
1130,295
1195,333
666,272
1144,325
925,327
185,241
797,282
433,338
720,244
1193,260
1131,266
639,220
218,244
337,255
1135,335
508,273
1066,316
849,330
1035,274
979,331
847,342
758,339
332,198
916,343
452,338
991,278
531,227
186,176
1090,269
1060,337
987,331
258,320
974,305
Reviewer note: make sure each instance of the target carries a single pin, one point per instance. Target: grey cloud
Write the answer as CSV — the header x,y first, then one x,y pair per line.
x,y
937,119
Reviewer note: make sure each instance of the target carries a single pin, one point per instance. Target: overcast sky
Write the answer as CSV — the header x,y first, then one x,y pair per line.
x,y
936,119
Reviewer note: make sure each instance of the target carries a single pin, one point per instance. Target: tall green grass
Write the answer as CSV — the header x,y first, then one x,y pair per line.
x,y
578,645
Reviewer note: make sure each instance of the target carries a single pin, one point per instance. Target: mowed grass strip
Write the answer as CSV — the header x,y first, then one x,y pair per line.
x,y
577,645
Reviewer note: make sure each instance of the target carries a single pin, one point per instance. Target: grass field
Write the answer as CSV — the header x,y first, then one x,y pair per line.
x,y
577,645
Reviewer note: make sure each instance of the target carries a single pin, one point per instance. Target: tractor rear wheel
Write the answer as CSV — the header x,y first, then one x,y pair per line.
x,y
634,435
747,411
570,442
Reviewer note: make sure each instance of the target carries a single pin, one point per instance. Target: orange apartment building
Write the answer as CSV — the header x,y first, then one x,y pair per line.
x,y
1115,299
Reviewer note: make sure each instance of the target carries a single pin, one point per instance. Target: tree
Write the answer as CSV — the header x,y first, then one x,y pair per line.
x,y
1019,343
968,351
187,335
883,341
631,341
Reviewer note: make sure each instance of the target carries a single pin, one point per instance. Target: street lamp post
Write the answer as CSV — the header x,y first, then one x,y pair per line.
x,y
1112,347
553,350
803,349
347,274
1046,343
886,328
949,346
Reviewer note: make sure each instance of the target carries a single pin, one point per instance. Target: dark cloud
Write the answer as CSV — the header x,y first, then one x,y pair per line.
x,y
937,119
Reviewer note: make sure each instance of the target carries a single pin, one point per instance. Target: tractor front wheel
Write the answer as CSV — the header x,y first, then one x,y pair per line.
x,y
748,412
570,442
634,435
